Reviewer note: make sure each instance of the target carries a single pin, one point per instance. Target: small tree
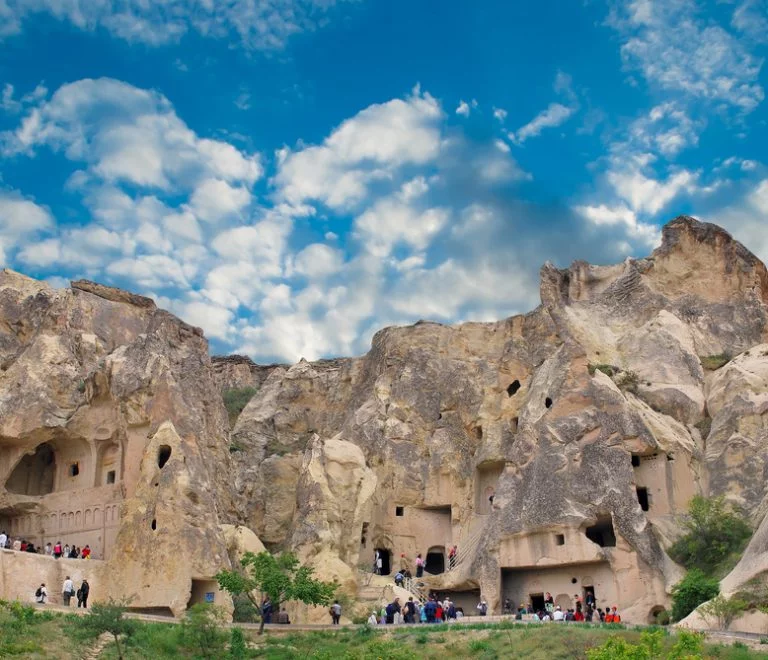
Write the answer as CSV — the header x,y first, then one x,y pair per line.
x,y
238,649
715,530
693,590
723,610
109,618
202,632
280,577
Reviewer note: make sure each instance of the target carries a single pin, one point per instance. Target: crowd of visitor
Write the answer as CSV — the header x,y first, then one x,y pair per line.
x,y
55,550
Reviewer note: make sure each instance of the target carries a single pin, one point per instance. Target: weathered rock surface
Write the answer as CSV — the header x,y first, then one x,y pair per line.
x,y
555,449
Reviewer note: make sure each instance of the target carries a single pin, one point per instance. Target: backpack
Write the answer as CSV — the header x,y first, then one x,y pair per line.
x,y
39,592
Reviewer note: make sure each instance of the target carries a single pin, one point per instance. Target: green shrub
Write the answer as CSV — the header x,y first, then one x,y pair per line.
x,y
608,369
714,362
201,633
715,531
693,590
663,618
238,649
245,611
722,610
235,399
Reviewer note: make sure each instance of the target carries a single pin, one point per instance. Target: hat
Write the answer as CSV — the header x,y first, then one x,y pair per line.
x,y
558,607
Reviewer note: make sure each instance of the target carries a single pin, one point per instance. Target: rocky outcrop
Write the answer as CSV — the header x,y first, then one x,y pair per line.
x,y
555,449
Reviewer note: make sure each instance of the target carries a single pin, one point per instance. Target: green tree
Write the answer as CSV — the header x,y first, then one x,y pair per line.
x,y
722,610
693,590
202,633
109,618
715,530
281,578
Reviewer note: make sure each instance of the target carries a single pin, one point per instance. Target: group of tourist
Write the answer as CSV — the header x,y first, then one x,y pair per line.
x,y
413,611
585,611
67,593
57,550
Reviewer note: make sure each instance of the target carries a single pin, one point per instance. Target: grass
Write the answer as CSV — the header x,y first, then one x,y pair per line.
x,y
29,633
714,362
235,400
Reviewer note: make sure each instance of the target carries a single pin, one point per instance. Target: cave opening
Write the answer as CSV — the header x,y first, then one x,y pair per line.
x,y
602,532
514,386
163,454
35,473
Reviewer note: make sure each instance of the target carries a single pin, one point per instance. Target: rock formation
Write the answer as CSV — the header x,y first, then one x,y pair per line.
x,y
555,449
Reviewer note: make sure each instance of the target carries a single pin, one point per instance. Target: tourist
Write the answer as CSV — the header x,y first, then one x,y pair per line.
x,y
41,595
535,617
266,610
383,613
23,545
507,606
589,599
399,577
569,615
430,610
419,566
57,550
452,556
392,609
82,594
439,612
601,614
68,590
48,549
335,612
549,602
410,611
3,539
373,620
86,553
616,618
67,550
589,614
17,545
544,616
451,612
74,552
377,563
482,607
608,618
282,616
578,615
558,615
31,547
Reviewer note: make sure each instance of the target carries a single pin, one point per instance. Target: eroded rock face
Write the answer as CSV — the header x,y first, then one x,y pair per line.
x,y
555,449
91,380
575,418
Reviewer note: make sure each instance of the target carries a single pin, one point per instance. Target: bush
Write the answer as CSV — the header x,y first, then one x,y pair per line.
x,y
693,590
663,618
715,531
722,610
245,611
201,632
235,400
238,649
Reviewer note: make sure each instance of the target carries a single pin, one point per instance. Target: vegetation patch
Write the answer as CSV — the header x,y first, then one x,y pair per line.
x,y
714,362
235,400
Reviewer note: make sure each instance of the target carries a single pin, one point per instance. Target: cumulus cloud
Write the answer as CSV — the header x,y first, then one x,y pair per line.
x,y
436,230
552,116
679,51
256,24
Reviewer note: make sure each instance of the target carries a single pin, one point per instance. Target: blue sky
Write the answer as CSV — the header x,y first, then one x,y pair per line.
x,y
293,175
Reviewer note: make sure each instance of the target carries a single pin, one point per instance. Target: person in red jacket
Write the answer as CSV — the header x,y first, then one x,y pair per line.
x,y
86,553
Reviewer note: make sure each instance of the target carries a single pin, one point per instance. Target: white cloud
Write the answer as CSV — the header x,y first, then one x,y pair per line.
x,y
677,50
215,199
602,215
645,194
751,17
365,148
318,261
500,114
554,115
463,109
256,24
127,134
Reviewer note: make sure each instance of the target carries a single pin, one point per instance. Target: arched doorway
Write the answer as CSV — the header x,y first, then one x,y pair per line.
x,y
35,473
108,470
435,561
386,560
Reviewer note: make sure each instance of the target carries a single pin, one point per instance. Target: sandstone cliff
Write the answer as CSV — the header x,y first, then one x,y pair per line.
x,y
555,449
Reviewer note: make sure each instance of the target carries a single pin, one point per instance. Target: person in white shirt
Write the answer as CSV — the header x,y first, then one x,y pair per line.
x,y
41,595
373,620
48,549
67,590
3,539
558,614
